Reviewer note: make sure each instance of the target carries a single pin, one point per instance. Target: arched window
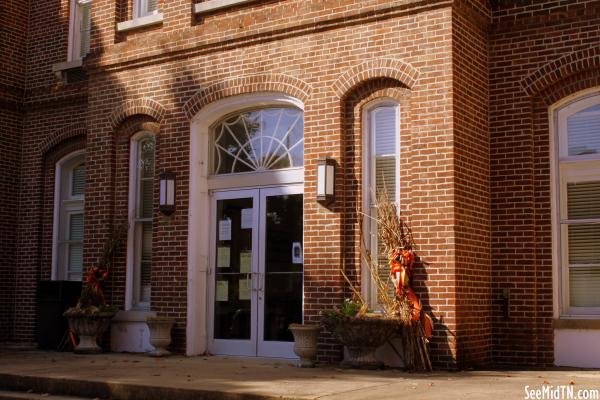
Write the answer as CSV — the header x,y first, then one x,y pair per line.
x,y
577,188
141,207
259,140
381,137
67,254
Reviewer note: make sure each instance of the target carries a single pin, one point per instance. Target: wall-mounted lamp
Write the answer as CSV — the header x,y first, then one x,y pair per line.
x,y
326,180
167,193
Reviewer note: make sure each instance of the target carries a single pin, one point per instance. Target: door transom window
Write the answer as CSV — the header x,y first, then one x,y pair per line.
x,y
258,140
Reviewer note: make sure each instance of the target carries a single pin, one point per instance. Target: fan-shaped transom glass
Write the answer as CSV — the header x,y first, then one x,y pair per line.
x,y
259,140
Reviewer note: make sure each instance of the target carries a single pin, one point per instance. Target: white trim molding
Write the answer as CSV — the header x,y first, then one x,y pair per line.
x,y
574,168
576,332
74,39
58,171
59,68
130,275
141,22
368,288
214,5
62,66
199,211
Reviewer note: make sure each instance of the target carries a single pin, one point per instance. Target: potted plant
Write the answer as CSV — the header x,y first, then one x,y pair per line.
x,y
305,343
90,318
362,331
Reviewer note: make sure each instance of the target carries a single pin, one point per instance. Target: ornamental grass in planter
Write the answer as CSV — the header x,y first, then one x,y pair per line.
x,y
90,318
400,311
361,335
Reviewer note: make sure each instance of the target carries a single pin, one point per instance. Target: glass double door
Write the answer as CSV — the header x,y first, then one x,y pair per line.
x,y
256,284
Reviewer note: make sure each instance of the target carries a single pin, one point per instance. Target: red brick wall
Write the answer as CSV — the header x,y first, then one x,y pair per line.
x,y
53,113
324,53
13,15
472,184
47,43
45,130
316,57
525,37
13,28
462,178
10,130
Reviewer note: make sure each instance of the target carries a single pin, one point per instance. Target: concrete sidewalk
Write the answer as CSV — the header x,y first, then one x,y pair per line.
x,y
133,377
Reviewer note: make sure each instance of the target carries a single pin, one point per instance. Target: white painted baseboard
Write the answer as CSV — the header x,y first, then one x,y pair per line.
x,y
577,348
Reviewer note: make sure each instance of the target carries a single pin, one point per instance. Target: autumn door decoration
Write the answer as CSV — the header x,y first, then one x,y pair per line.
x,y
391,272
90,318
396,245
401,268
92,299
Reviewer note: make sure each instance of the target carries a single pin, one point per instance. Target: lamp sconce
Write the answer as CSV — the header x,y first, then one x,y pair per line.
x,y
167,193
325,180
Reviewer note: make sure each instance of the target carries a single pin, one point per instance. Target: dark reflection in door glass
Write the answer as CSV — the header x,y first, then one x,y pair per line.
x,y
283,266
232,266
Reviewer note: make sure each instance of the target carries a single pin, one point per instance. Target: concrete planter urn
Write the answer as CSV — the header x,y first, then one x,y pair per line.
x,y
361,337
305,343
89,327
160,335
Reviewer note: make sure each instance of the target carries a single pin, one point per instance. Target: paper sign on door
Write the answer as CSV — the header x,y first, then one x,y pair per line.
x,y
225,229
245,262
245,289
247,217
223,257
222,291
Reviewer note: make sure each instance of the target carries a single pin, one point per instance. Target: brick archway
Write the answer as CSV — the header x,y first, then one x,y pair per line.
x,y
560,69
247,84
372,69
60,135
145,106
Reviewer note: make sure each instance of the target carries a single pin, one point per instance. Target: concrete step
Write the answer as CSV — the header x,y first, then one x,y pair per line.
x,y
9,395
94,389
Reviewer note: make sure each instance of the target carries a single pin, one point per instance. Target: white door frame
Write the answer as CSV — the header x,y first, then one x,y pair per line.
x,y
199,206
255,346
272,348
231,346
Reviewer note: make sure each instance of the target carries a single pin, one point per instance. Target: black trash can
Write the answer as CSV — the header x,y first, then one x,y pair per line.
x,y
54,297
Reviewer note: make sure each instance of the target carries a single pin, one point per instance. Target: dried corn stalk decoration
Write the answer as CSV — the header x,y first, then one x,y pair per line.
x,y
395,293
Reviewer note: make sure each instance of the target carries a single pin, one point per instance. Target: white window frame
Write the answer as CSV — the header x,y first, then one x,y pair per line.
x,y
262,177
63,208
140,9
134,235
243,103
568,169
74,47
368,288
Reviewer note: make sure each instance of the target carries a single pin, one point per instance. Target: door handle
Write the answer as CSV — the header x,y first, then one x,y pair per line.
x,y
254,286
249,285
261,283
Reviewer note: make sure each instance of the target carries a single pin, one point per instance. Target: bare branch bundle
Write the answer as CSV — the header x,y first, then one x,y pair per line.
x,y
394,234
